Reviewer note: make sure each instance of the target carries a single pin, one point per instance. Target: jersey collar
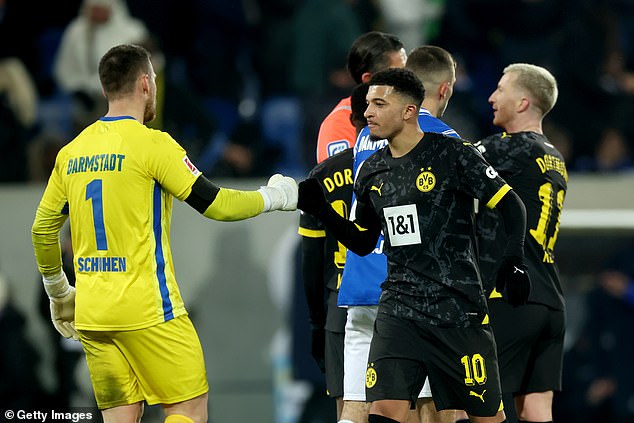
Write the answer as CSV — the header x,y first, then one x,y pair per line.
x,y
113,118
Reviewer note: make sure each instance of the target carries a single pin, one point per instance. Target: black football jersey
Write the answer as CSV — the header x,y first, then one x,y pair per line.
x,y
425,202
336,179
537,173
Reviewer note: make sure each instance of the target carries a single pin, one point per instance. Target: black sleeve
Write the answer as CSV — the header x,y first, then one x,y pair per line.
x,y
313,277
311,200
203,193
513,214
361,242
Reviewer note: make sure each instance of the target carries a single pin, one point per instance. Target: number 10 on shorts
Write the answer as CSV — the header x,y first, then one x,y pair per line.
x,y
475,370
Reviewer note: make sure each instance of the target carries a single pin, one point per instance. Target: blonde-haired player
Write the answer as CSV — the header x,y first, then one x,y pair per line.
x,y
529,338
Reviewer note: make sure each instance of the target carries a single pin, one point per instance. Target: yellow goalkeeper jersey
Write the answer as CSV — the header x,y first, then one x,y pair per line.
x,y
116,181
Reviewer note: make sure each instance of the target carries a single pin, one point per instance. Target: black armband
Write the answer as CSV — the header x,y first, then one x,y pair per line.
x,y
203,193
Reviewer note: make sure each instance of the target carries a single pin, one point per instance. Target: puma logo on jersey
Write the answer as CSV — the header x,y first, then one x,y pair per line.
x,y
377,189
475,394
517,269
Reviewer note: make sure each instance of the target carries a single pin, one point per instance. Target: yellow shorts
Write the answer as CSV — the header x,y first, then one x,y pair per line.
x,y
160,364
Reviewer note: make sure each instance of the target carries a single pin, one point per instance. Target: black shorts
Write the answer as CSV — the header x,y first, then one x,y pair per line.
x,y
530,341
334,363
461,364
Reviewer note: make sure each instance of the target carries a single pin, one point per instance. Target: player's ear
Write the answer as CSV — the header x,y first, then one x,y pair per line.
x,y
523,105
145,83
409,111
442,89
365,77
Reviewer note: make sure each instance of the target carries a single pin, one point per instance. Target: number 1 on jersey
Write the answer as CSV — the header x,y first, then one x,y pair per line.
x,y
93,192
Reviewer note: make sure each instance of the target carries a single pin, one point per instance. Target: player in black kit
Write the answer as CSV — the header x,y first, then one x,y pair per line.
x,y
529,338
432,317
323,258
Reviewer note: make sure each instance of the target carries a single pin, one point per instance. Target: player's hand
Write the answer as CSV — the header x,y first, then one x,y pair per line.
x,y
311,197
63,314
280,193
318,347
62,297
513,274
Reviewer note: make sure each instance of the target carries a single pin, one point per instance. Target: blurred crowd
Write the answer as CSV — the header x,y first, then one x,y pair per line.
x,y
245,84
598,369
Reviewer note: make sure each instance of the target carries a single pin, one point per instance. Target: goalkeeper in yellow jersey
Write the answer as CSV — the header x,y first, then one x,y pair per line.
x,y
116,181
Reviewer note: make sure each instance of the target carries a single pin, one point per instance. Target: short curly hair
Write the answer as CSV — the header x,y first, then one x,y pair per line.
x,y
404,82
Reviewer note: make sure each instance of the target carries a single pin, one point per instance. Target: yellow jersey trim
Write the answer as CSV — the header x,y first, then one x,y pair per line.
x,y
311,233
360,228
498,196
495,294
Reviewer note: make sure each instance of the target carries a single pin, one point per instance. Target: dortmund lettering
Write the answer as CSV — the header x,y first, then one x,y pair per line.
x,y
549,162
338,179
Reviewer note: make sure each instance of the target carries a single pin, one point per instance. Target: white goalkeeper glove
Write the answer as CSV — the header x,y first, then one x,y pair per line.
x,y
62,297
280,193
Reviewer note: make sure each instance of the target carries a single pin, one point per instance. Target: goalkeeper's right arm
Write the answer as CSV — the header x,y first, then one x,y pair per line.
x,y
45,235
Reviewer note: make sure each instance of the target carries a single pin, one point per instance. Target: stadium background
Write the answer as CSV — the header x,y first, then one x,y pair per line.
x,y
257,77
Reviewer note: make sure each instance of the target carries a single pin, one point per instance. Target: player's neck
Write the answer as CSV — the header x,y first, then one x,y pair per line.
x,y
524,125
431,106
125,107
405,141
